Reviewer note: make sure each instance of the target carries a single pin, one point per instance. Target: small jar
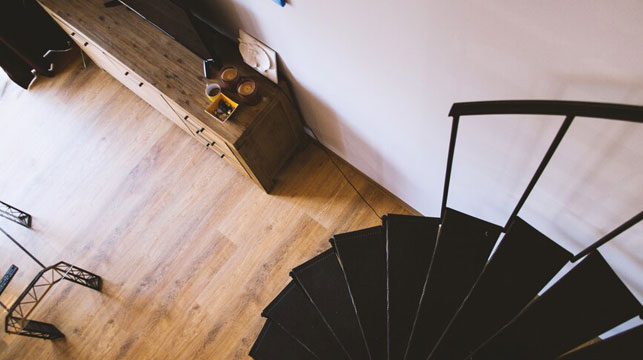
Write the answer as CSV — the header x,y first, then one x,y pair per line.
x,y
212,90
248,92
229,77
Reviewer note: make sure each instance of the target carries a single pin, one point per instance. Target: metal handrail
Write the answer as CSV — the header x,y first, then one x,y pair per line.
x,y
612,234
569,109
550,107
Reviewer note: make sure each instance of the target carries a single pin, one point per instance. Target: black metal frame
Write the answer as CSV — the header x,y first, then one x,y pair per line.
x,y
22,248
569,109
17,320
14,214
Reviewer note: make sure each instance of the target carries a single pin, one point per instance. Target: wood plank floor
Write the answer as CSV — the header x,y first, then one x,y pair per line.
x,y
190,251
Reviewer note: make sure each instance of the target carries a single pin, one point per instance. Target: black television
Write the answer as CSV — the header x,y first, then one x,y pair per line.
x,y
176,19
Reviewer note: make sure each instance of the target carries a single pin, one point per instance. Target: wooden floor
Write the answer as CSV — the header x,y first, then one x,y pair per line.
x,y
190,251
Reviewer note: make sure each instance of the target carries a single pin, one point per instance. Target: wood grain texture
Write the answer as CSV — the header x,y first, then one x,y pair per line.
x,y
189,249
168,76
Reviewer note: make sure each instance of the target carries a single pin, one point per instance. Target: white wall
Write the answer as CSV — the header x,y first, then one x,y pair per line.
x,y
376,79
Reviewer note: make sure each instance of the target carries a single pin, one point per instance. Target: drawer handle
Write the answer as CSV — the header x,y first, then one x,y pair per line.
x,y
140,84
73,33
86,43
193,124
126,73
212,143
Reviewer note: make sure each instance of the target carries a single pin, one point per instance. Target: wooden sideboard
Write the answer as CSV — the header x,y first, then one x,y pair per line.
x,y
257,140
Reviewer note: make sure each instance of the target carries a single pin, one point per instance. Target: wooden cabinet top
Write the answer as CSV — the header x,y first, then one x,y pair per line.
x,y
161,61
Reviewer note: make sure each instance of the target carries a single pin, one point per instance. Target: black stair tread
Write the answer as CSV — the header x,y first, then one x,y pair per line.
x,y
294,313
410,242
464,245
524,262
627,345
322,279
362,255
589,300
273,343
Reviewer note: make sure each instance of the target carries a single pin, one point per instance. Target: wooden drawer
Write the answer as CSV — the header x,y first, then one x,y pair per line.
x,y
125,75
210,140
201,132
220,145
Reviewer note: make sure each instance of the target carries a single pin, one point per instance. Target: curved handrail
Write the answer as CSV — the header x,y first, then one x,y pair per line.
x,y
569,109
550,107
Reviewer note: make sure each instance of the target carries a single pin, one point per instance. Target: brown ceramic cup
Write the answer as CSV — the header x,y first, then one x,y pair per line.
x,y
248,92
229,77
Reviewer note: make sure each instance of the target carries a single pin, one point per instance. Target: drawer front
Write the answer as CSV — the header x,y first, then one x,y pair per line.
x,y
186,117
198,131
126,76
202,132
197,127
219,145
205,136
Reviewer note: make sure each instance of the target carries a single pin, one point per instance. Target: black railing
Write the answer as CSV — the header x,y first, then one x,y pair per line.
x,y
612,234
568,109
550,107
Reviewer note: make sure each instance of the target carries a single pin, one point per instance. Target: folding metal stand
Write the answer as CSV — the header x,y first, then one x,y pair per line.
x,y
16,215
17,320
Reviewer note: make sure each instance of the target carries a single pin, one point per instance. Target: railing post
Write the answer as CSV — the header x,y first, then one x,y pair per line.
x,y
447,178
22,248
612,234
541,168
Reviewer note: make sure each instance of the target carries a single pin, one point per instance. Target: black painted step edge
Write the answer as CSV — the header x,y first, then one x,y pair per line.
x,y
354,235
478,220
278,298
385,224
357,234
264,330
259,340
294,338
475,284
424,288
282,294
306,265
536,299
312,261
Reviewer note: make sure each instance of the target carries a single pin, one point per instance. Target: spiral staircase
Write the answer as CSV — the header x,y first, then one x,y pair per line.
x,y
433,288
